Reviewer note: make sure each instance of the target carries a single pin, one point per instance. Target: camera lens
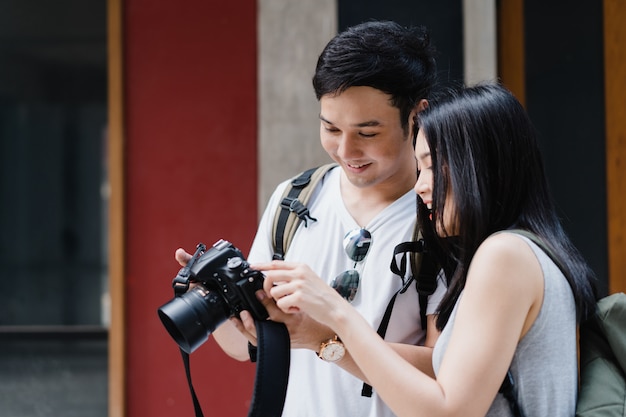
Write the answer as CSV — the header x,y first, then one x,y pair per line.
x,y
193,316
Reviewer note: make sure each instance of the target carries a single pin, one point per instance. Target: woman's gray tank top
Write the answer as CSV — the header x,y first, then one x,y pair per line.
x,y
545,364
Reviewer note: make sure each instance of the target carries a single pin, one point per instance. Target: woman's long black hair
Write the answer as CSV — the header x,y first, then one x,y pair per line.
x,y
484,151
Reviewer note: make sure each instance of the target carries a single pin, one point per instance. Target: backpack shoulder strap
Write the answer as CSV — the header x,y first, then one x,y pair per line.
x,y
425,270
293,207
547,248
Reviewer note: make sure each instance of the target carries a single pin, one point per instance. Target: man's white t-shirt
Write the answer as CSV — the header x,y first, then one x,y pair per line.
x,y
317,388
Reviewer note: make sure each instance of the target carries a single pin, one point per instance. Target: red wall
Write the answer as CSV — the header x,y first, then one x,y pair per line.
x,y
190,119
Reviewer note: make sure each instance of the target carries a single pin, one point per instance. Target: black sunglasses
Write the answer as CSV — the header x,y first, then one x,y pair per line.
x,y
356,243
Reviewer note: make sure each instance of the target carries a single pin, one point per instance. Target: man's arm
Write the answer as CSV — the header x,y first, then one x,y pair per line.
x,y
232,341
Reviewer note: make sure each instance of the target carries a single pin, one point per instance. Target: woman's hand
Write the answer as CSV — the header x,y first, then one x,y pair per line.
x,y
304,332
297,289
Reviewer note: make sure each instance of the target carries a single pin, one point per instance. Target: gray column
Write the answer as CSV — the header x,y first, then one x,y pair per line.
x,y
291,36
479,40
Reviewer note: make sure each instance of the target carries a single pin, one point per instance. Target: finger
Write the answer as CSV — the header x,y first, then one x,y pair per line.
x,y
283,289
268,283
273,311
182,257
286,305
274,265
242,329
276,277
248,324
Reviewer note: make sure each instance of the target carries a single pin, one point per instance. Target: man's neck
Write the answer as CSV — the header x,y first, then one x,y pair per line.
x,y
364,203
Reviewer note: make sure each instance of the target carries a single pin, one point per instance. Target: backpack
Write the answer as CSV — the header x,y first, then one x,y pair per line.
x,y
603,360
602,348
293,210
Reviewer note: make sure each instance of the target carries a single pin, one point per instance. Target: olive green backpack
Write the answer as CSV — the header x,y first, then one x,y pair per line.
x,y
603,360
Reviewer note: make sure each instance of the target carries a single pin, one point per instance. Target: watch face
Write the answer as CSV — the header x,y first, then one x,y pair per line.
x,y
333,351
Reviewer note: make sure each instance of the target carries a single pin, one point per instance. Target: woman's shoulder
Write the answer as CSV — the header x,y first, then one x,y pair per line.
x,y
505,257
505,275
508,245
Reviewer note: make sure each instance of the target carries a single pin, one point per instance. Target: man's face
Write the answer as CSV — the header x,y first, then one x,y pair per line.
x,y
361,131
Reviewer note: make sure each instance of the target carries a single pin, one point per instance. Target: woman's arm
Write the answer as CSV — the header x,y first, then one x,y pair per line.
x,y
501,300
421,357
306,333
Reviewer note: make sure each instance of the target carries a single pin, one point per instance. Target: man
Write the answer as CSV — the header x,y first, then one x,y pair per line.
x,y
371,81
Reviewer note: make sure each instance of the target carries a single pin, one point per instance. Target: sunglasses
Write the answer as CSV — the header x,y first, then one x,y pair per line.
x,y
356,244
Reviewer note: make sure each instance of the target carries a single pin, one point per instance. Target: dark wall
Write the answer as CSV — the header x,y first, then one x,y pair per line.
x,y
52,124
443,19
565,100
564,97
53,84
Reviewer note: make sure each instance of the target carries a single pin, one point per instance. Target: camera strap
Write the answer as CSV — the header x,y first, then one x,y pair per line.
x,y
194,398
272,371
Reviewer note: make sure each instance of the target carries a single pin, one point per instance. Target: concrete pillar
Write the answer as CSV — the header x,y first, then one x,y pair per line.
x,y
291,36
479,40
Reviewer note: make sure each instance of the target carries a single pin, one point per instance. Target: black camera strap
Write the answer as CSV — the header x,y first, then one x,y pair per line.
x,y
194,398
272,371
272,357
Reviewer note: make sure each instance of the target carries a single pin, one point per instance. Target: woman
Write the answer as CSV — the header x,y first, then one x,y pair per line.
x,y
508,306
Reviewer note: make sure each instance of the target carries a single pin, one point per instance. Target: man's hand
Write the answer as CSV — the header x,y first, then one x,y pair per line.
x,y
304,332
182,257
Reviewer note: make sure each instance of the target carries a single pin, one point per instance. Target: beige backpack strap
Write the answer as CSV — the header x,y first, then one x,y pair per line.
x,y
293,207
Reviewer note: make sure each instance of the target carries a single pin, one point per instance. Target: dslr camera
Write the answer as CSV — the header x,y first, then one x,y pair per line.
x,y
214,286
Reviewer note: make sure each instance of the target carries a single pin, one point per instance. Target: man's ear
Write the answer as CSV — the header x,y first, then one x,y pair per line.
x,y
422,105
419,107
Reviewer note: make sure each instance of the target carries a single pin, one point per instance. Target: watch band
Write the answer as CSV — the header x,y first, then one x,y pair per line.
x,y
252,352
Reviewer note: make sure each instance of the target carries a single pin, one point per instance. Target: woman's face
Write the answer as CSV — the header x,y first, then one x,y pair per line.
x,y
424,184
424,187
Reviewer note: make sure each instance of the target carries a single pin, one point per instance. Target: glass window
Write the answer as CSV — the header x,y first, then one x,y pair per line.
x,y
53,260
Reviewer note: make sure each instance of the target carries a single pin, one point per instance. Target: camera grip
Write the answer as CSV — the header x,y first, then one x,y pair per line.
x,y
249,287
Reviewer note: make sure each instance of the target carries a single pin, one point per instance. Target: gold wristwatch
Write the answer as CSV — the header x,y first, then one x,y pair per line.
x,y
332,350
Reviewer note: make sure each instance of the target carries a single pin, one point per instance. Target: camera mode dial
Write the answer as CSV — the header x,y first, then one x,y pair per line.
x,y
234,263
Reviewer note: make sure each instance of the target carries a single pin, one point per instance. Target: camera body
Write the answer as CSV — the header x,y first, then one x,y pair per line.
x,y
224,269
214,286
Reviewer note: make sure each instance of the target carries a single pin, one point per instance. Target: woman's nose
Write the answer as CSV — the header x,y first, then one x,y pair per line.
x,y
422,185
